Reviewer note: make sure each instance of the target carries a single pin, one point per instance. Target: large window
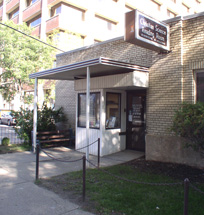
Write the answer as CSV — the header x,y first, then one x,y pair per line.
x,y
113,110
200,86
14,13
94,110
35,22
170,14
104,24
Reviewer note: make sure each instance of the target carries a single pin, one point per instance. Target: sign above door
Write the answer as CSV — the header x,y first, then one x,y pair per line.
x,y
145,31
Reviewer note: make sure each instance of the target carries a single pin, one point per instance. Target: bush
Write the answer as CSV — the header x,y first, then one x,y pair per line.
x,y
47,119
5,141
188,122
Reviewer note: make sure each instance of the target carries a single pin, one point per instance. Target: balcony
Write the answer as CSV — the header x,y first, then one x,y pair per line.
x,y
36,31
11,5
63,22
15,19
32,11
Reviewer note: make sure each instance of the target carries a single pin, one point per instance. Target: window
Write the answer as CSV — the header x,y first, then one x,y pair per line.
x,y
185,8
113,110
155,5
14,13
35,22
128,8
170,14
200,86
56,10
73,13
105,24
94,110
30,2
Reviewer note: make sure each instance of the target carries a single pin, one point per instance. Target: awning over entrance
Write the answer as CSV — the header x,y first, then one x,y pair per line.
x,y
98,67
83,70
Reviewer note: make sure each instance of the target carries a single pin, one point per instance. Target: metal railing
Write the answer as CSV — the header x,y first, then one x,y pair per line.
x,y
186,183
9,132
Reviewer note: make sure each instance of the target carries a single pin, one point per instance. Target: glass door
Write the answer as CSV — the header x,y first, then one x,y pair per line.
x,y
136,120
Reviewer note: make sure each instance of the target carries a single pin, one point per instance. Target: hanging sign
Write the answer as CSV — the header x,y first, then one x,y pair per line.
x,y
145,31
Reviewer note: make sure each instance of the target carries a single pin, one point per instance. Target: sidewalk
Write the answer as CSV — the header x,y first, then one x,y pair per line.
x,y
20,196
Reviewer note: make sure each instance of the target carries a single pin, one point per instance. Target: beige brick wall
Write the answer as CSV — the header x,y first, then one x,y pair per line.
x,y
115,49
165,86
171,82
65,97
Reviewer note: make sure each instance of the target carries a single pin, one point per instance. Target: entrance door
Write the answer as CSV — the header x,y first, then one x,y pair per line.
x,y
136,120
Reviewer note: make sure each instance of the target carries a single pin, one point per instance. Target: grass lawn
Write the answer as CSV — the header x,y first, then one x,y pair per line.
x,y
106,194
13,148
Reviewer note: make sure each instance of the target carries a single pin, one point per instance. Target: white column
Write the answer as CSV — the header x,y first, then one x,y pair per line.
x,y
4,16
87,111
44,17
35,114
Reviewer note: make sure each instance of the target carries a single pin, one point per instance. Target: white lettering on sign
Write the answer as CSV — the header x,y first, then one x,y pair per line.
x,y
146,24
159,30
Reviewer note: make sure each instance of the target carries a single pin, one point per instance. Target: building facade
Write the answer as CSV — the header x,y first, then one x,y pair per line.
x,y
86,22
134,109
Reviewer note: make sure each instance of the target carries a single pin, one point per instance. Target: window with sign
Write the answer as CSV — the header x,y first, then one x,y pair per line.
x,y
113,110
94,117
200,86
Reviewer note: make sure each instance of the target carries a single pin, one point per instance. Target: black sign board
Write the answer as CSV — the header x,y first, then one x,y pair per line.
x,y
146,31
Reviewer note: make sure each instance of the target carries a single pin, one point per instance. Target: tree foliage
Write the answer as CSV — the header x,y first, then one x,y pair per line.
x,y
188,122
46,121
19,57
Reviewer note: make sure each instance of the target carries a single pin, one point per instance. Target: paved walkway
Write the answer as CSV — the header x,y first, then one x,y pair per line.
x,y
20,196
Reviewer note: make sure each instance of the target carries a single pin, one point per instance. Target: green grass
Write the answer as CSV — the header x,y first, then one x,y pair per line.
x,y
14,148
108,195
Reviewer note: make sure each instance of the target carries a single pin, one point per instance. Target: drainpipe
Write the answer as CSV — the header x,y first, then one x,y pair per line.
x,y
87,111
35,114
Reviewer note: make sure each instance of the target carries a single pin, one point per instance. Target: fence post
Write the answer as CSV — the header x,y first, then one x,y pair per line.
x,y
186,192
98,152
84,177
37,161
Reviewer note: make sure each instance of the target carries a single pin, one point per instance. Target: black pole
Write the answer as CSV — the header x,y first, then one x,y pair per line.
x,y
84,177
186,192
98,152
37,161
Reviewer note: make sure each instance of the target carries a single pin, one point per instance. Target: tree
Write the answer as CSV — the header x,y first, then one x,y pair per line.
x,y
188,123
19,57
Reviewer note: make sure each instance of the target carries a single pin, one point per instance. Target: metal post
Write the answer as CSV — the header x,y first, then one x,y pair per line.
x,y
84,177
35,115
87,112
37,161
186,192
98,152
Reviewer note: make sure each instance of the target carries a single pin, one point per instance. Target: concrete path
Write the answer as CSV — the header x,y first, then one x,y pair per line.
x,y
20,196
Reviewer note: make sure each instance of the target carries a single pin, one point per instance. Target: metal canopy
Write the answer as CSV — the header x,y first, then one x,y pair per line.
x,y
98,67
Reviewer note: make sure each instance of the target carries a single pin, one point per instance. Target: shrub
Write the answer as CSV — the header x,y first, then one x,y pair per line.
x,y
5,141
47,119
188,122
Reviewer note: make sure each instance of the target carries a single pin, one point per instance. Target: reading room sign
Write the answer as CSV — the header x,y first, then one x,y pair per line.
x,y
145,31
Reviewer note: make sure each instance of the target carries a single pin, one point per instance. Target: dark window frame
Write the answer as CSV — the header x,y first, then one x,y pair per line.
x,y
197,96
120,96
78,112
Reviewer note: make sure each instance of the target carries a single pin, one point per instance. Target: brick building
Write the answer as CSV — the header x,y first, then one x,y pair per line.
x,y
127,78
